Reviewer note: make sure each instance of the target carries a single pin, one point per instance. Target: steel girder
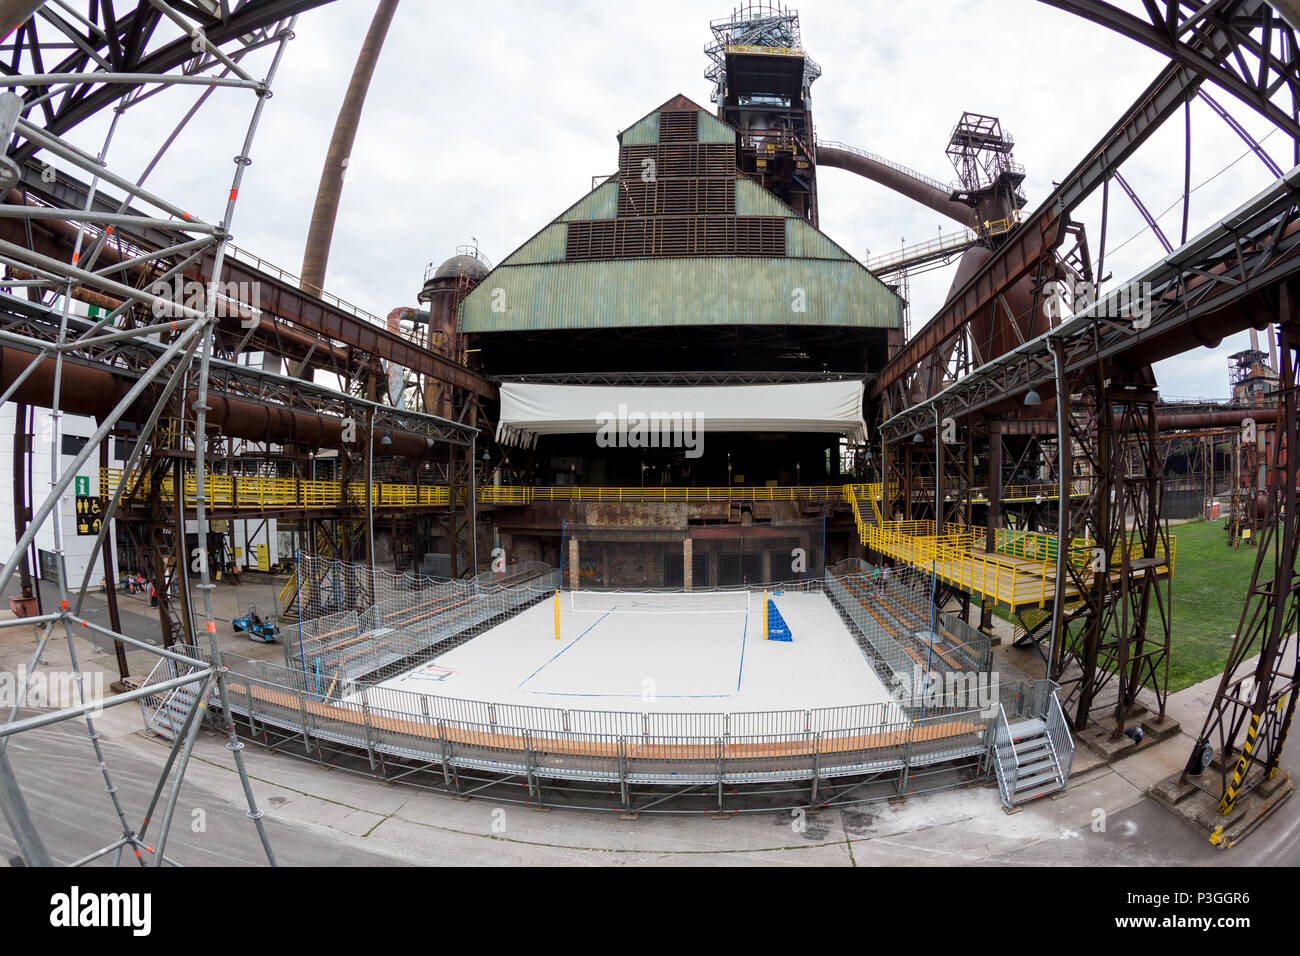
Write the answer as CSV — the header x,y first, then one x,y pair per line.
x,y
1215,285
1254,705
36,326
1237,53
1027,246
282,304
1116,627
1229,43
151,38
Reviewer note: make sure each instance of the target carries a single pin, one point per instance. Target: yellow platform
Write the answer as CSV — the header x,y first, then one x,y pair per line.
x,y
253,493
1020,573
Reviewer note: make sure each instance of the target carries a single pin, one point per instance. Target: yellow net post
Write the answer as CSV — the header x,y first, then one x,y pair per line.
x,y
765,630
557,615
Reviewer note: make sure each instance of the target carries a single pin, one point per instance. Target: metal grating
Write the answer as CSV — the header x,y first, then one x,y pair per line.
x,y
679,127
678,161
677,197
676,236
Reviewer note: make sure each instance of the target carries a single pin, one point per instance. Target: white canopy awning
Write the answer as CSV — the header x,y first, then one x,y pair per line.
x,y
644,416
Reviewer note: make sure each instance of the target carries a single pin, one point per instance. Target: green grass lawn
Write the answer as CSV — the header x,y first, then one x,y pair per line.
x,y
1209,591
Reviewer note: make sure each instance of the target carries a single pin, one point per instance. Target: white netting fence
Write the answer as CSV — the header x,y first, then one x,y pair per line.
x,y
328,586
414,619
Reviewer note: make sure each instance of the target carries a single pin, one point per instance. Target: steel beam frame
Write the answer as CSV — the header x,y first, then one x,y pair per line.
x,y
180,357
1253,708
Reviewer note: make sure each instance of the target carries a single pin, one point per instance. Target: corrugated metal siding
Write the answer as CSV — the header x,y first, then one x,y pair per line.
x,y
802,241
600,203
713,130
654,292
546,246
753,200
643,133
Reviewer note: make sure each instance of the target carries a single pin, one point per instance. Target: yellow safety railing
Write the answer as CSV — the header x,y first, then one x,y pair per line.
x,y
678,494
851,493
251,492
957,558
255,492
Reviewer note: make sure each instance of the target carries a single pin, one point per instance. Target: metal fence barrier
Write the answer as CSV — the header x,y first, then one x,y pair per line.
x,y
327,697
808,752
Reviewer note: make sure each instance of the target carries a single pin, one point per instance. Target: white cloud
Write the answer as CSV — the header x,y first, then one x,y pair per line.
x,y
488,119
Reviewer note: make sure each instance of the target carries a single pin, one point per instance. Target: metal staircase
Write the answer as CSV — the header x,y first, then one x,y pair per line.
x,y
864,518
1033,749
329,540
165,714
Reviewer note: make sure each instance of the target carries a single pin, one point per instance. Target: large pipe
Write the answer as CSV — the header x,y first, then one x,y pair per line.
x,y
1219,418
316,256
900,182
88,390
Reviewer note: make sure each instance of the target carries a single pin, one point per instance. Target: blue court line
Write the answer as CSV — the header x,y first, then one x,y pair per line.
x,y
743,638
566,647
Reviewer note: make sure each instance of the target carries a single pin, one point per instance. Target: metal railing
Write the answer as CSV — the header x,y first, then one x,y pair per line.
x,y
807,749
1004,753
264,492
1059,734
617,748
892,622
1036,700
270,269
947,188
957,557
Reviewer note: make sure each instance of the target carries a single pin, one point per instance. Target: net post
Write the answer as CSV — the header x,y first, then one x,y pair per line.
x,y
766,632
557,614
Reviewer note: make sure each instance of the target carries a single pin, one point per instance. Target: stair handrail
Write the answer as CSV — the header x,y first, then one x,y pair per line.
x,y
1004,755
1059,735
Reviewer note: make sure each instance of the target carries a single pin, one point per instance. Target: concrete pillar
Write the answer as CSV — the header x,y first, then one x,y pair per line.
x,y
767,567
574,569
688,572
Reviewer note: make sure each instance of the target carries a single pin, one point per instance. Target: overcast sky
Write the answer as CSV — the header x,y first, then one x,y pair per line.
x,y
488,119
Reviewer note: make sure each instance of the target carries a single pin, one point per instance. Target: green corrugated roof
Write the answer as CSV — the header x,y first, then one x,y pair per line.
x,y
546,246
662,292
802,241
600,203
713,130
642,133
539,290
753,200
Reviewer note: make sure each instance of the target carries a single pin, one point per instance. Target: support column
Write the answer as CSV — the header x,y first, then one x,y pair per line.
x,y
994,486
688,557
574,569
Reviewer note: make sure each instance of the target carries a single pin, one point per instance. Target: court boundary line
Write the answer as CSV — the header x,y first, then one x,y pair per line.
x,y
565,648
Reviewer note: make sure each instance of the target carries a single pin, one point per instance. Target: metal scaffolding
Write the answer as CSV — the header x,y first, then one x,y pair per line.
x,y
168,48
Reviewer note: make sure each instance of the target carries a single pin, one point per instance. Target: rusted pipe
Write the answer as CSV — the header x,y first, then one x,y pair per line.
x,y
89,390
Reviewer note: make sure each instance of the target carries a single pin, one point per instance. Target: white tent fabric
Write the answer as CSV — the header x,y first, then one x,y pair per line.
x,y
528,411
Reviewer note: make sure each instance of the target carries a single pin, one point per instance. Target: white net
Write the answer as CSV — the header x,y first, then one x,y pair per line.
x,y
679,602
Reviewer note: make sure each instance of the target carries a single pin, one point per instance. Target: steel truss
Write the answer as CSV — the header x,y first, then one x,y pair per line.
x,y
1244,47
127,69
118,55
1095,365
1240,45
1255,703
1118,629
